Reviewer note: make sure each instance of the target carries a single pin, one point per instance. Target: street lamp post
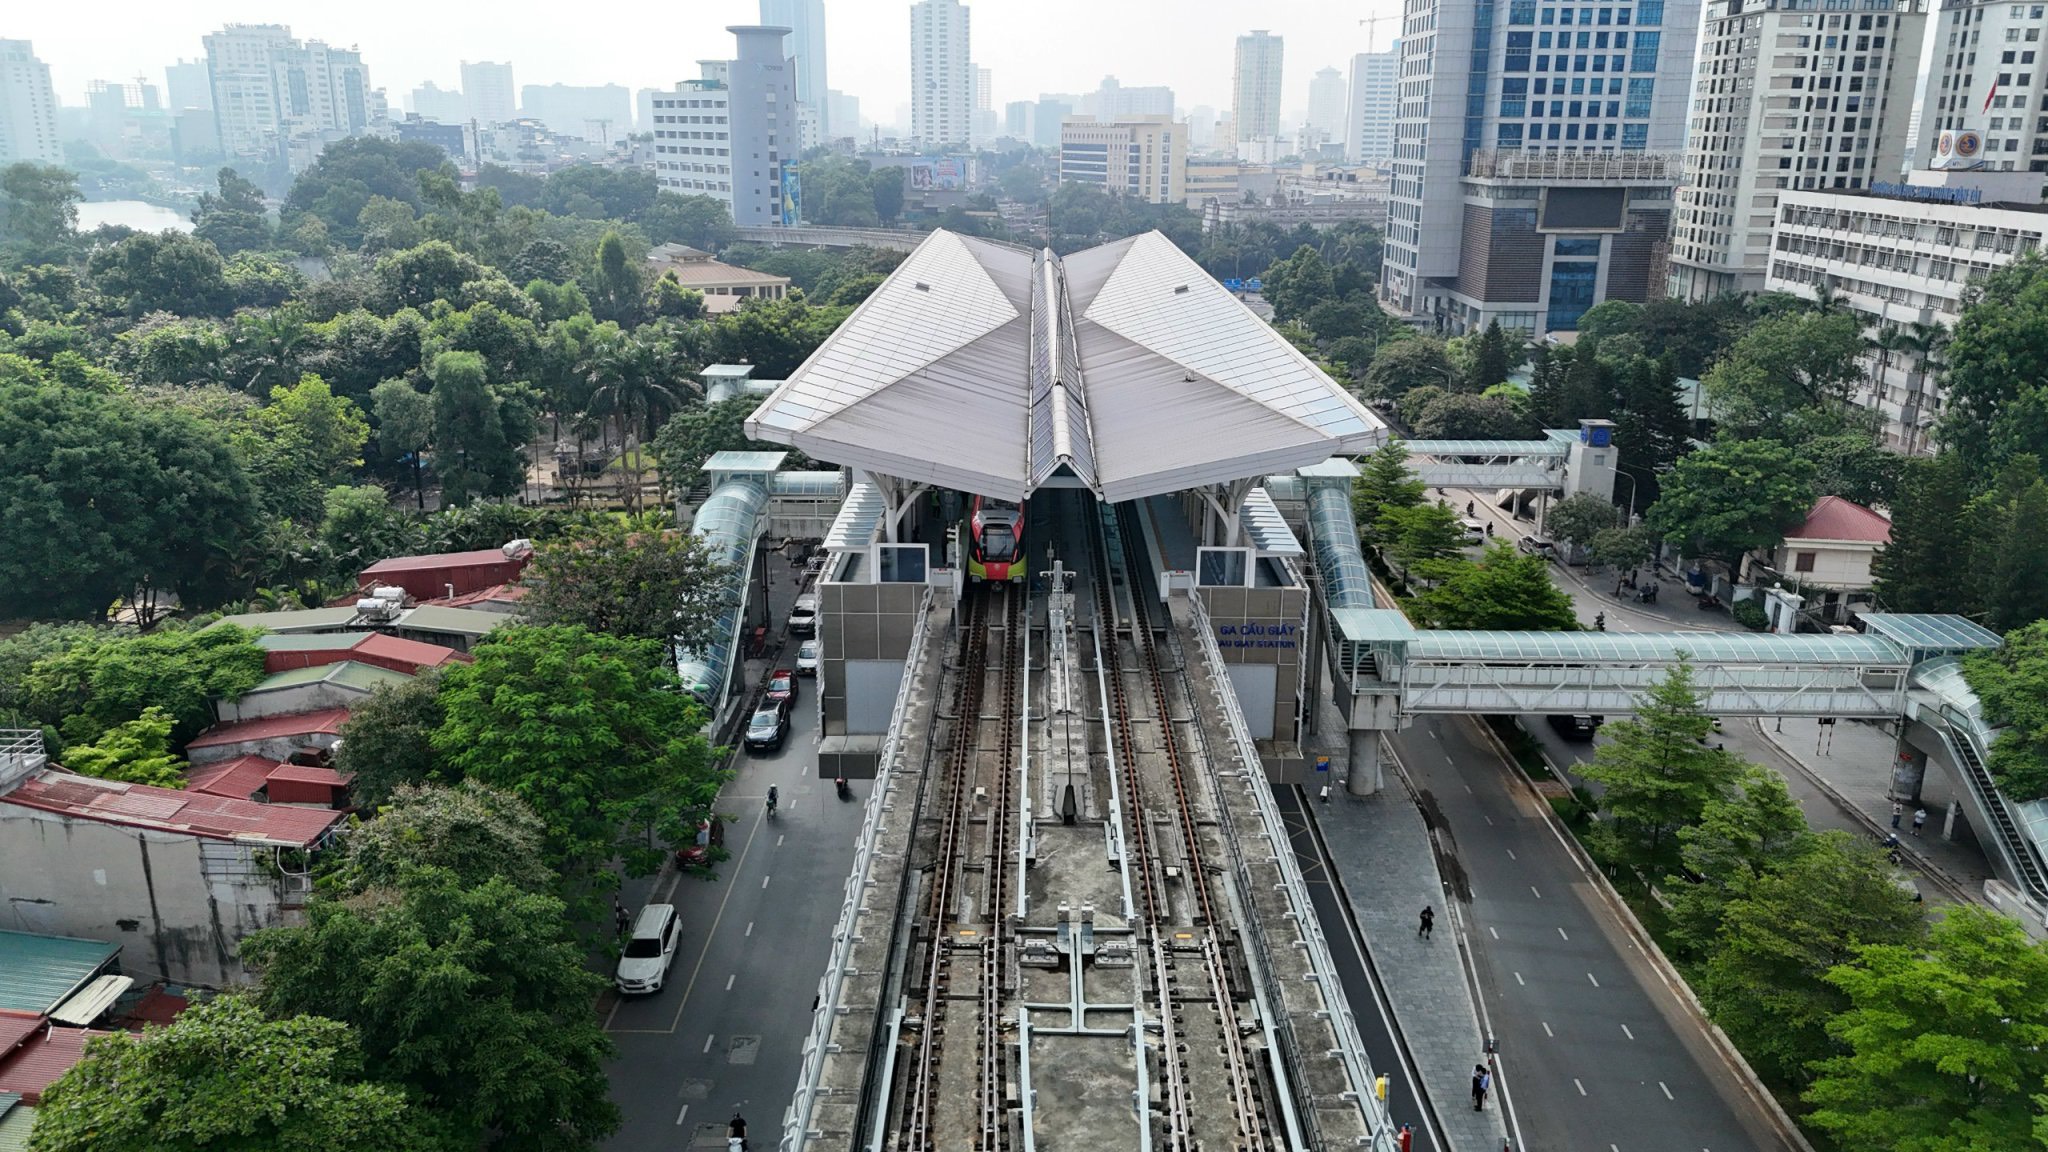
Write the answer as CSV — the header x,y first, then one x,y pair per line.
x,y
1631,496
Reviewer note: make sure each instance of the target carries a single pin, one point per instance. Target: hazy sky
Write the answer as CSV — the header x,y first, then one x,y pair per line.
x,y
1033,46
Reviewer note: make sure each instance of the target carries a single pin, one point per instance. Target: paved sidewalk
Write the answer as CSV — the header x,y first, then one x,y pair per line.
x,y
1591,587
1854,765
1381,848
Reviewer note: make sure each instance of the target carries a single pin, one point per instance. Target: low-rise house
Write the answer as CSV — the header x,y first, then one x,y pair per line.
x,y
270,781
458,628
447,573
277,737
294,690
39,972
1826,560
285,651
39,1057
725,286
176,878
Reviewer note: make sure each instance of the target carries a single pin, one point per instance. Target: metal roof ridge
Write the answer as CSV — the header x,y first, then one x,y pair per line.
x,y
1055,355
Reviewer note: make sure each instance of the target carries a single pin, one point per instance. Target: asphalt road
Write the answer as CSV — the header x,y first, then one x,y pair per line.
x,y
1599,1051
1375,1016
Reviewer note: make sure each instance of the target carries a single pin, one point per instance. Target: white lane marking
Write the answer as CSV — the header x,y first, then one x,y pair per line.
x,y
750,927
683,1113
708,1038
1489,821
1627,1033
764,881
780,839
1532,888
1432,734
1495,931
1519,980
729,980
1579,1086
1547,1031
1667,1090
1561,932
1511,854
1589,976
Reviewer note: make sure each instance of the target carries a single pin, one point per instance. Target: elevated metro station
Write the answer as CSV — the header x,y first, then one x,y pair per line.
x,y
1182,481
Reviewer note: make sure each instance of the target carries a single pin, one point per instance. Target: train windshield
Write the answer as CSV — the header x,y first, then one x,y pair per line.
x,y
998,543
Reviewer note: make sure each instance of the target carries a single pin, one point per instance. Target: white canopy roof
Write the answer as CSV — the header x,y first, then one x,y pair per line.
x,y
992,369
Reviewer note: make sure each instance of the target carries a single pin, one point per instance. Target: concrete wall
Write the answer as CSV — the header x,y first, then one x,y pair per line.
x,y
179,906
276,748
314,697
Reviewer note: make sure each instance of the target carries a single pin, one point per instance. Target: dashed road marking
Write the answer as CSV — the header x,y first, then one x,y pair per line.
x,y
1589,976
1532,888
1561,932
1627,1033
1547,1031
1519,980
780,839
1495,931
1579,1086
750,927
708,1039
764,881
1511,854
1489,821
1667,1090
683,1113
729,980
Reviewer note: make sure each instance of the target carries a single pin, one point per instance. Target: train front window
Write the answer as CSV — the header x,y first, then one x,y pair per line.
x,y
997,544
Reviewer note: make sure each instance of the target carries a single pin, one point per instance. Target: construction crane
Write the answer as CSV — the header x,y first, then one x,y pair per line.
x,y
1372,24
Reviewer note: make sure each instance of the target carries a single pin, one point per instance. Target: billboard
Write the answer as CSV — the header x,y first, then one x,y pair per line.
x,y
792,196
945,174
1957,151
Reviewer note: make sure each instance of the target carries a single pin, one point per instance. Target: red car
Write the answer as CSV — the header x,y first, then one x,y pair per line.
x,y
781,691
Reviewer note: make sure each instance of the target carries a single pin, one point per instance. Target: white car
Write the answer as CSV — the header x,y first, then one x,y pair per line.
x,y
803,618
807,658
649,952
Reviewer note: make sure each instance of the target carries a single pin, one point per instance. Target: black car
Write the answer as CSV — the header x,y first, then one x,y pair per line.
x,y
767,728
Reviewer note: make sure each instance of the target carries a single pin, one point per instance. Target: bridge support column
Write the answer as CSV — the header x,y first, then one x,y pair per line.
x,y
1366,776
1909,770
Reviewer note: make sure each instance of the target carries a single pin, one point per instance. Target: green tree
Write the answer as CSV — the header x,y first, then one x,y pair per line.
x,y
233,219
1406,364
1733,496
1652,429
1657,774
416,277
665,586
1421,537
102,497
1766,979
616,284
1503,590
700,221
887,184
1461,416
591,731
221,1078
1298,283
469,830
327,432
2011,550
2011,682
163,272
1620,548
1855,467
1581,518
689,438
1926,568
1741,835
1997,378
387,225
473,998
473,454
1492,359
1782,364
387,740
358,527
137,751
405,426
1384,484
1947,1041
38,211
92,688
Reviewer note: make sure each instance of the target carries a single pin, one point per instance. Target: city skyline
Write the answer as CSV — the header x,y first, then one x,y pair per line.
x,y
405,48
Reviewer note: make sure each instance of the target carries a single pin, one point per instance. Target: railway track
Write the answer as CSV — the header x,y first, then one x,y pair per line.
x,y
1170,942
976,943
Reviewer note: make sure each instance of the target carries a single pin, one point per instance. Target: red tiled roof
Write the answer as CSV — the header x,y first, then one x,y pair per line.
x,y
1834,518
438,560
37,1064
158,1007
237,779
326,721
310,774
15,1029
171,810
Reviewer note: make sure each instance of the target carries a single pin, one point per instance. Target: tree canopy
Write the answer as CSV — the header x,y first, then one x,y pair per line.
x,y
1657,774
660,585
2012,683
1731,497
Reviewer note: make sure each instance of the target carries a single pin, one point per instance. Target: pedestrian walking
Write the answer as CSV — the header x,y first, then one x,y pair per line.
x,y
1898,810
1919,820
1428,922
1481,1080
620,916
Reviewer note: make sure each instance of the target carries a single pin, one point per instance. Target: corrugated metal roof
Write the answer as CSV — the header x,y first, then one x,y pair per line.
x,y
172,810
15,1027
327,721
309,774
455,621
92,1001
744,461
859,518
310,641
830,485
1833,518
15,1125
37,1064
435,562
1133,370
37,973
342,673
1268,530
302,620
237,779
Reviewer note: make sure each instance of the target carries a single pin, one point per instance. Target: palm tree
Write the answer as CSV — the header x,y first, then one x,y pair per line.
x,y
1924,342
1889,339
271,340
629,386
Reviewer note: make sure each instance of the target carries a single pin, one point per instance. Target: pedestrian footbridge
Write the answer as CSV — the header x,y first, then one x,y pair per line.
x,y
1493,464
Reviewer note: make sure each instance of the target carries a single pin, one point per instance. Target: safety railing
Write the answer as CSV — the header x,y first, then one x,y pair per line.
x,y
817,1044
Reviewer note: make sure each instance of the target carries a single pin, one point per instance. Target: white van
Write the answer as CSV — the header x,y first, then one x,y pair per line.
x,y
644,964
1475,532
803,617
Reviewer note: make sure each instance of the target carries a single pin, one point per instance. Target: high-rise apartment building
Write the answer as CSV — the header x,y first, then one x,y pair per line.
x,y
984,105
1255,87
843,118
28,107
941,74
1046,118
1139,156
487,90
1114,100
805,20
731,134
430,101
186,86
1535,153
1369,121
599,113
1801,95
269,89
1988,78
1326,103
